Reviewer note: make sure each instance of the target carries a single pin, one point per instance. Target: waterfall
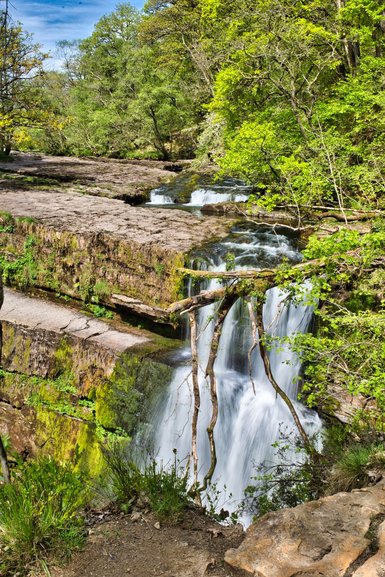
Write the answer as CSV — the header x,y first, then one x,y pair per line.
x,y
203,196
249,423
157,197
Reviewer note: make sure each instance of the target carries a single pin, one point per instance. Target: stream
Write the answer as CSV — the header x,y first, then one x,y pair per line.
x,y
251,417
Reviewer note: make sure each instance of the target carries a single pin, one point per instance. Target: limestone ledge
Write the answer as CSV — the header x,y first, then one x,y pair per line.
x,y
90,248
69,382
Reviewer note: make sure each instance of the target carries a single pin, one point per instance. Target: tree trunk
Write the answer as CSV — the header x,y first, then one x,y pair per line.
x,y
4,463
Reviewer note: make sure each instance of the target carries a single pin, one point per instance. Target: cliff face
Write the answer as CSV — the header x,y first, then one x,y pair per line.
x,y
69,382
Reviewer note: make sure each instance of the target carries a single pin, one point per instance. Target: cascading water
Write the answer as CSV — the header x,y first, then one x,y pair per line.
x,y
203,196
200,193
249,422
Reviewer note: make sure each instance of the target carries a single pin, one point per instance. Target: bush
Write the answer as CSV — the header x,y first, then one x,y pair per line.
x,y
166,490
39,516
357,467
163,490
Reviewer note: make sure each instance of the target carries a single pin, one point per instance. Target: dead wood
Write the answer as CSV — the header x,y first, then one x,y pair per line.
x,y
197,397
222,311
266,363
4,463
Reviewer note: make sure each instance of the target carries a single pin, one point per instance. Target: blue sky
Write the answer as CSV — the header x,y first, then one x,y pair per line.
x,y
50,21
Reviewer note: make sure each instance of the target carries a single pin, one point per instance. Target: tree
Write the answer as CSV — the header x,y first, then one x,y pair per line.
x,y
21,61
300,100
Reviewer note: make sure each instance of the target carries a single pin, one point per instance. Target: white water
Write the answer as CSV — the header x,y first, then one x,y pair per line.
x,y
200,196
249,423
156,197
203,196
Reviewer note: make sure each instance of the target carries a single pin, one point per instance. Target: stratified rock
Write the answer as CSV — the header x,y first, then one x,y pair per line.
x,y
324,538
91,248
69,379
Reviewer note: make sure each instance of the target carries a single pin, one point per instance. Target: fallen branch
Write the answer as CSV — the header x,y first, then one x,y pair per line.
x,y
138,307
266,363
197,398
222,311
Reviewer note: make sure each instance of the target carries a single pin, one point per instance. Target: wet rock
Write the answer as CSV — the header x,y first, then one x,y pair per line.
x,y
328,537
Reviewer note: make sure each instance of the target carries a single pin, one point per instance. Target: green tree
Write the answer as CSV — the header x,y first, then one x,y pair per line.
x,y
298,97
21,61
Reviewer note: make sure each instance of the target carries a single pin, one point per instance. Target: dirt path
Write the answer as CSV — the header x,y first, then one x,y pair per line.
x,y
137,546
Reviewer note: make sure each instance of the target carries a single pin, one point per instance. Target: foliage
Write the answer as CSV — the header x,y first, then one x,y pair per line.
x,y
21,65
163,490
289,480
39,516
343,466
356,467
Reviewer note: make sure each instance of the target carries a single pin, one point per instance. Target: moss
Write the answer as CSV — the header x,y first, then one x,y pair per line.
x,y
69,440
123,400
64,356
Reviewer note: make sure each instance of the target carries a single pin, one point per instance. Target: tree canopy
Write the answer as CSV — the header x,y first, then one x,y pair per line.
x,y
21,64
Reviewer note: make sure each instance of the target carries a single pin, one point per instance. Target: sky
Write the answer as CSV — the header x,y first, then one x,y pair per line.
x,y
51,21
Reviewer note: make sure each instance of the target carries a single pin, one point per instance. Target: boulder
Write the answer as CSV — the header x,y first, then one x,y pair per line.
x,y
336,536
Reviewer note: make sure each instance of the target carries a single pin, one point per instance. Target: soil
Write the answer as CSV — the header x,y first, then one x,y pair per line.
x,y
138,546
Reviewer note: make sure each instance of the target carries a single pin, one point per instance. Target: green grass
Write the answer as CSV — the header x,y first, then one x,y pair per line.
x,y
163,490
39,517
355,467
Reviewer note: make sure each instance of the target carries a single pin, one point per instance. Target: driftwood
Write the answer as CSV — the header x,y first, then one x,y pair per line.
x,y
197,396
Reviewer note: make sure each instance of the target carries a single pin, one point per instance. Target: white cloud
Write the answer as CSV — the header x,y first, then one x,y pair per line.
x,y
61,20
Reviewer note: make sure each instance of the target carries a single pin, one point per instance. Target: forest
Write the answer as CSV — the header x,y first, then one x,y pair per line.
x,y
288,96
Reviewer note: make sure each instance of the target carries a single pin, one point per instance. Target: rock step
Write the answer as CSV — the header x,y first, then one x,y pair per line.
x,y
34,313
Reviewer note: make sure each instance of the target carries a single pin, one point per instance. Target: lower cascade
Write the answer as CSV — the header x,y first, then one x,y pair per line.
x,y
251,416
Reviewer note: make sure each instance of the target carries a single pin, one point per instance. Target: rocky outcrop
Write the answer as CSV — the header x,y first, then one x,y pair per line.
x,y
337,536
69,381
91,248
124,179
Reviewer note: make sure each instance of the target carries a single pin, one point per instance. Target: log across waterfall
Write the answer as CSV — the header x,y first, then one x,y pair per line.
x,y
249,420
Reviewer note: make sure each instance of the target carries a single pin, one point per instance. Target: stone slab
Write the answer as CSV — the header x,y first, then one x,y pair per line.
x,y
36,313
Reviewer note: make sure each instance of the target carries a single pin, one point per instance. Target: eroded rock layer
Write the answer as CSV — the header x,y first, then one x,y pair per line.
x,y
69,381
90,248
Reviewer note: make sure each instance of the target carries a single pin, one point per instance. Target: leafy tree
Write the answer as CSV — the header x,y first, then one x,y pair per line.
x,y
21,61
298,97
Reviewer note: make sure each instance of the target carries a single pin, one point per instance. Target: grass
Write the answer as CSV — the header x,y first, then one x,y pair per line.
x,y
40,517
356,468
163,490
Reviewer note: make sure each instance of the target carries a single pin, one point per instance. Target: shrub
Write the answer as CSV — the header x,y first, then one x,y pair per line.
x,y
39,516
163,490
357,467
166,490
